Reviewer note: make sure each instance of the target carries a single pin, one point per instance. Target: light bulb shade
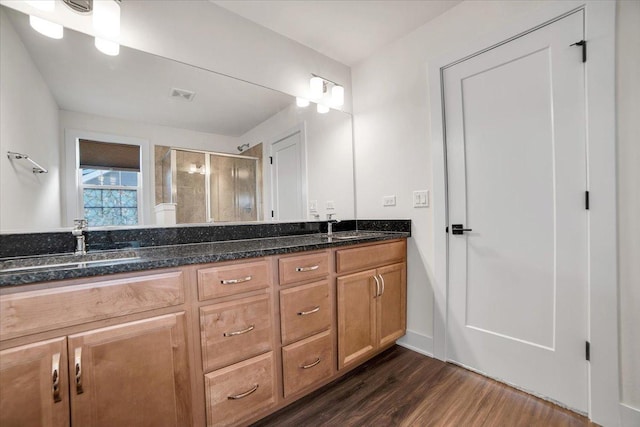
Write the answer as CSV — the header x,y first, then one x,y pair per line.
x,y
107,47
46,28
322,109
106,18
316,87
46,5
337,96
302,102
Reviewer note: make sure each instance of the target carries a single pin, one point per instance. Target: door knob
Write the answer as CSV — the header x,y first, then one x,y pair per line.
x,y
457,229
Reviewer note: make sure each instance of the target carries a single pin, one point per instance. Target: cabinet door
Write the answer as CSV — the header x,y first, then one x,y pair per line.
x,y
392,303
356,317
134,374
33,385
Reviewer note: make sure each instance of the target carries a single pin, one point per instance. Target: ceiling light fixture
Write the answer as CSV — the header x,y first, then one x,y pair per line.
x,y
302,102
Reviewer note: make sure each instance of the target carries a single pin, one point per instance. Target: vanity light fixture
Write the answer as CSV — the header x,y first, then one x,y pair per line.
x,y
302,102
322,109
318,87
44,27
106,23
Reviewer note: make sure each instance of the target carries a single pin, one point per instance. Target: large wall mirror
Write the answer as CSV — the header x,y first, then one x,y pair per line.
x,y
140,140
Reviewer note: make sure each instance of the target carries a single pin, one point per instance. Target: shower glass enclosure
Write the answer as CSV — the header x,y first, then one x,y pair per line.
x,y
210,187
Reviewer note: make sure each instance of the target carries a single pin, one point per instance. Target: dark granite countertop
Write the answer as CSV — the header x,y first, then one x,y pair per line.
x,y
21,271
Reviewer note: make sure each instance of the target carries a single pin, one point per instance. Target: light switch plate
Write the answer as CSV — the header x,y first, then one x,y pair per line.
x,y
313,205
389,201
421,199
330,204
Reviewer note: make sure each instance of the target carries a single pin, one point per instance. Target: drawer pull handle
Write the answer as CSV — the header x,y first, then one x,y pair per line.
x,y
314,310
55,378
244,331
235,281
312,268
245,394
78,360
311,365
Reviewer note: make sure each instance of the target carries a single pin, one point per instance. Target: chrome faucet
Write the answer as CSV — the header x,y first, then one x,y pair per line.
x,y
330,222
79,227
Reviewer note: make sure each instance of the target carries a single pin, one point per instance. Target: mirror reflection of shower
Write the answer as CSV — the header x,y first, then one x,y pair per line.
x,y
201,186
243,147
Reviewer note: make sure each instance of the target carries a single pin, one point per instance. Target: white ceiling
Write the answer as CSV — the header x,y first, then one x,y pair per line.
x,y
345,30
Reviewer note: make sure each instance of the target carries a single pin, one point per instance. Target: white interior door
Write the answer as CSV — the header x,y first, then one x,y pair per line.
x,y
516,164
287,178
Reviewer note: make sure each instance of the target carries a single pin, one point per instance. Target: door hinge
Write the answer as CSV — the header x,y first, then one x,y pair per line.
x,y
586,200
272,214
583,44
270,160
587,351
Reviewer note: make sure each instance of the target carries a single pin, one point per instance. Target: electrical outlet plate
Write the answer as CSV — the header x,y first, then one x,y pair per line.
x,y
389,201
421,198
330,205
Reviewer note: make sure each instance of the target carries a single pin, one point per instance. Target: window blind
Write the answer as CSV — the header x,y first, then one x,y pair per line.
x,y
105,155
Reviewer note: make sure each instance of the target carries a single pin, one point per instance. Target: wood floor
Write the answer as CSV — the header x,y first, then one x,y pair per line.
x,y
403,388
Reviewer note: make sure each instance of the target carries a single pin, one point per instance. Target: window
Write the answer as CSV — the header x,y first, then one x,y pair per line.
x,y
109,183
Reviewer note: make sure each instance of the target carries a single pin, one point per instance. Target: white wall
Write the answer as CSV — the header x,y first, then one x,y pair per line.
x,y
329,153
628,115
392,133
28,125
201,33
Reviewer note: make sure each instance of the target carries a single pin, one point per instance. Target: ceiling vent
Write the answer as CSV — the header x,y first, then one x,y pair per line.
x,y
187,95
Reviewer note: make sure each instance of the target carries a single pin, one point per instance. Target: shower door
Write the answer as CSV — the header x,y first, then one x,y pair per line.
x,y
233,189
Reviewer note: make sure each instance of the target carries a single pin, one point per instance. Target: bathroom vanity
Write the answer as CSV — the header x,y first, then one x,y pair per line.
x,y
224,334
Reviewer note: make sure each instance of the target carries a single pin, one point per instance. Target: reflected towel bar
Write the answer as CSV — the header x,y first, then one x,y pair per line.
x,y
37,168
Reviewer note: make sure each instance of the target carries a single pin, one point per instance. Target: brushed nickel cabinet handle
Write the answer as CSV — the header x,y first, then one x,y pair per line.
x,y
377,286
302,269
235,281
55,378
78,363
245,394
314,310
243,331
381,280
311,365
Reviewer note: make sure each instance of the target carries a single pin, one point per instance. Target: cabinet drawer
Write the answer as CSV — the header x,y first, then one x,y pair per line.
x,y
44,310
370,256
240,391
307,362
303,267
304,310
235,330
233,279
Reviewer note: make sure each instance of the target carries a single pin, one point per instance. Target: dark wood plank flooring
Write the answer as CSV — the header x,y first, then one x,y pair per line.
x,y
403,388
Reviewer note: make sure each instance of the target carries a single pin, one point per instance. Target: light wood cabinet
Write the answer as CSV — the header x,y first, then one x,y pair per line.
x,y
307,362
300,268
235,330
236,392
34,385
232,279
304,310
371,304
134,374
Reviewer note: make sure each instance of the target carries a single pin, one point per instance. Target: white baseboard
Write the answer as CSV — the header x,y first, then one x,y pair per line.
x,y
417,342
629,416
